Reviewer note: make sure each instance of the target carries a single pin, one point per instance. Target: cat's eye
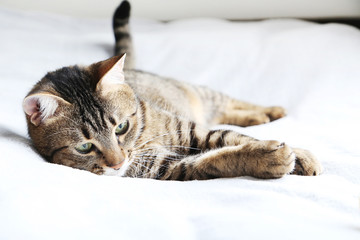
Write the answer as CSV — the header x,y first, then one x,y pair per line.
x,y
84,148
122,128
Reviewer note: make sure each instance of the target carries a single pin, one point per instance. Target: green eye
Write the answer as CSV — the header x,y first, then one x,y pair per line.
x,y
84,148
122,128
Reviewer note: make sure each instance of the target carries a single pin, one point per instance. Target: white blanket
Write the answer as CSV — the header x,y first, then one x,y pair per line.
x,y
313,70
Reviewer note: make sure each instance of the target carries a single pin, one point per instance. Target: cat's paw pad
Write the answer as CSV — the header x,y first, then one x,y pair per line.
x,y
306,163
273,159
275,112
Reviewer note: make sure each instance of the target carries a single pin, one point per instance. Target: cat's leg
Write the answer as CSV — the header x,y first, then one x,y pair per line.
x,y
305,162
224,153
261,159
219,108
245,114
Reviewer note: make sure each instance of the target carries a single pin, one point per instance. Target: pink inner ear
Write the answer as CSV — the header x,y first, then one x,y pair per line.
x,y
114,74
32,109
31,106
40,107
36,118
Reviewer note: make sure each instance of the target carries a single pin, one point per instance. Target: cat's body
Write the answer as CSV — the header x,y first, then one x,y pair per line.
x,y
111,121
199,104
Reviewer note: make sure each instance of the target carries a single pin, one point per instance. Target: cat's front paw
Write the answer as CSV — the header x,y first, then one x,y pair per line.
x,y
306,163
275,112
273,159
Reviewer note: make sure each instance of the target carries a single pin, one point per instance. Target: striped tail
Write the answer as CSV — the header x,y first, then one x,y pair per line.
x,y
123,43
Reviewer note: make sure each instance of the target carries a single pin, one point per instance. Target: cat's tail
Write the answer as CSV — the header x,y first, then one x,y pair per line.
x,y
123,42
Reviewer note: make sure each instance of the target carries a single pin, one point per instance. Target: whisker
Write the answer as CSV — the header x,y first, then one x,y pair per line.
x,y
157,154
137,147
164,156
139,168
168,146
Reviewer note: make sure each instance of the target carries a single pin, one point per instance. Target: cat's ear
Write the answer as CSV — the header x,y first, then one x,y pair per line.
x,y
41,106
111,73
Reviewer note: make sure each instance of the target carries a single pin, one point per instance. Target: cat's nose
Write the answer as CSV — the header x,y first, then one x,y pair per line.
x,y
117,166
114,158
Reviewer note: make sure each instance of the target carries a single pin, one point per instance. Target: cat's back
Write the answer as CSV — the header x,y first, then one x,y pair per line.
x,y
166,93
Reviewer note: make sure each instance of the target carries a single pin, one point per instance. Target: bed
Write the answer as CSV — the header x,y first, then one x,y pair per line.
x,y
310,69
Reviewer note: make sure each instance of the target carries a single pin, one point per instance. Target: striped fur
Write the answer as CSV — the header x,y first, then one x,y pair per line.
x,y
123,43
166,135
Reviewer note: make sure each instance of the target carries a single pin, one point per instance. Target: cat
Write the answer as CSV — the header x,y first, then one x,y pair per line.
x,y
110,119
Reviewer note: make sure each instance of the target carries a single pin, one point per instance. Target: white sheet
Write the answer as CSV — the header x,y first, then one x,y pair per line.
x,y
313,70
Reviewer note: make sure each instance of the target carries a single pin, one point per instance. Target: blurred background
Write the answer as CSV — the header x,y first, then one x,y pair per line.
x,y
172,9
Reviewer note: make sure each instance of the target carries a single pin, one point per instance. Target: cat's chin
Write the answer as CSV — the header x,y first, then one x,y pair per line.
x,y
120,172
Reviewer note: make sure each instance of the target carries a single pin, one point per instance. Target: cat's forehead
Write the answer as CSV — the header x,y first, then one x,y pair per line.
x,y
71,83
77,86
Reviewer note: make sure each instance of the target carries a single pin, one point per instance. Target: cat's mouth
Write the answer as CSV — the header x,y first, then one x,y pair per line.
x,y
118,169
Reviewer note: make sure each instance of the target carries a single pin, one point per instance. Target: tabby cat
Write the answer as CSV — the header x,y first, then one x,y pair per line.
x,y
109,119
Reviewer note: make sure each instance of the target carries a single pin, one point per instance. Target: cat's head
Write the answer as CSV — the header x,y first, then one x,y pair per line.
x,y
84,117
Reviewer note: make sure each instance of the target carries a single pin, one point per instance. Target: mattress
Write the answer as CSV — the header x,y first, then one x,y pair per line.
x,y
310,69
